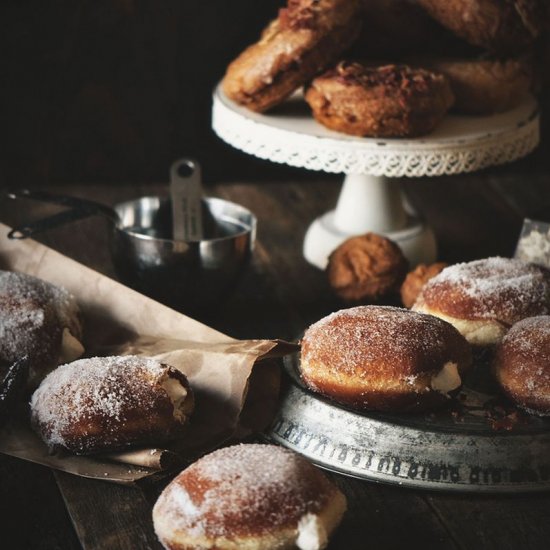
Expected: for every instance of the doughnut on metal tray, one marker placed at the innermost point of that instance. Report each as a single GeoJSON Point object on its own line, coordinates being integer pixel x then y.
{"type": "Point", "coordinates": [480, 443]}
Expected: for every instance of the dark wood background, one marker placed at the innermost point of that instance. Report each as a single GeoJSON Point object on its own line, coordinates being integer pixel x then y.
{"type": "Point", "coordinates": [115, 90]}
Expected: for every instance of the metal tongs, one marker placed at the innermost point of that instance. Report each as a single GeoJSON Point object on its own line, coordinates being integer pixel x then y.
{"type": "Point", "coordinates": [77, 209]}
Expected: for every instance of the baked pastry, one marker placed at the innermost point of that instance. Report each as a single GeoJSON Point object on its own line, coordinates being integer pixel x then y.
{"type": "Point", "coordinates": [416, 279]}
{"type": "Point", "coordinates": [366, 267]}
{"type": "Point", "coordinates": [307, 36]}
{"type": "Point", "coordinates": [484, 86]}
{"type": "Point", "coordinates": [501, 26]}
{"type": "Point", "coordinates": [484, 298]}
{"type": "Point", "coordinates": [393, 29]}
{"type": "Point", "coordinates": [107, 403]}
{"type": "Point", "coordinates": [384, 358]}
{"type": "Point", "coordinates": [389, 101]}
{"type": "Point", "coordinates": [38, 320]}
{"type": "Point", "coordinates": [522, 364]}
{"type": "Point", "coordinates": [258, 497]}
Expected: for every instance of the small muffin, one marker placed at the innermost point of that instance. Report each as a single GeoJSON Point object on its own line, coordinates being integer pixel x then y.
{"type": "Point", "coordinates": [416, 279]}
{"type": "Point", "coordinates": [484, 298]}
{"type": "Point", "coordinates": [389, 101]}
{"type": "Point", "coordinates": [366, 267]}
{"type": "Point", "coordinates": [500, 26]}
{"type": "Point", "coordinates": [522, 364]}
{"type": "Point", "coordinates": [108, 403]}
{"type": "Point", "coordinates": [384, 358]}
{"type": "Point", "coordinates": [254, 497]}
{"type": "Point", "coordinates": [38, 320]}
{"type": "Point", "coordinates": [308, 36]}
{"type": "Point", "coordinates": [484, 86]}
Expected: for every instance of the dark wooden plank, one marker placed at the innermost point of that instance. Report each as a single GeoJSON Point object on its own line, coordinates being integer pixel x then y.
{"type": "Point", "coordinates": [495, 523]}
{"type": "Point", "coordinates": [32, 510]}
{"type": "Point", "coordinates": [390, 518]}
{"type": "Point", "coordinates": [107, 515]}
{"type": "Point", "coordinates": [468, 218]}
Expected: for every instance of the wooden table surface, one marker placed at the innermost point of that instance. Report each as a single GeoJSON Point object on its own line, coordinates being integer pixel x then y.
{"type": "Point", "coordinates": [473, 216]}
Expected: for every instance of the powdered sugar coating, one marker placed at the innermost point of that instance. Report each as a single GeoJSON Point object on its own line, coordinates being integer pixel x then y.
{"type": "Point", "coordinates": [522, 364]}
{"type": "Point", "coordinates": [364, 336]}
{"type": "Point", "coordinates": [501, 289]}
{"type": "Point", "coordinates": [384, 358]}
{"type": "Point", "coordinates": [243, 490]}
{"type": "Point", "coordinates": [104, 402]}
{"type": "Point", "coordinates": [33, 314]}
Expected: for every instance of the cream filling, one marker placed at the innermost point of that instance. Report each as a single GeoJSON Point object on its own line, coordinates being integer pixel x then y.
{"type": "Point", "coordinates": [178, 395]}
{"type": "Point", "coordinates": [478, 333]}
{"type": "Point", "coordinates": [71, 348]}
{"type": "Point", "coordinates": [447, 379]}
{"type": "Point", "coordinates": [312, 534]}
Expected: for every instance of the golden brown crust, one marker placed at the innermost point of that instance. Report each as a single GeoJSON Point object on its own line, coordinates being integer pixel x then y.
{"type": "Point", "coordinates": [416, 279]}
{"type": "Point", "coordinates": [307, 36]}
{"type": "Point", "coordinates": [382, 358]}
{"type": "Point", "coordinates": [522, 364]}
{"type": "Point", "coordinates": [107, 403]}
{"type": "Point", "coordinates": [366, 267]}
{"type": "Point", "coordinates": [239, 496]}
{"type": "Point", "coordinates": [483, 86]}
{"type": "Point", "coordinates": [389, 101]}
{"type": "Point", "coordinates": [494, 289]}
{"type": "Point", "coordinates": [502, 26]}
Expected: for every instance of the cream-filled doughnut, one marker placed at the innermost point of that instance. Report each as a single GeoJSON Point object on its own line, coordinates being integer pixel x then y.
{"type": "Point", "coordinates": [522, 364]}
{"type": "Point", "coordinates": [249, 497]}
{"type": "Point", "coordinates": [107, 403]}
{"type": "Point", "coordinates": [384, 358]}
{"type": "Point", "coordinates": [484, 298]}
{"type": "Point", "coordinates": [38, 320]}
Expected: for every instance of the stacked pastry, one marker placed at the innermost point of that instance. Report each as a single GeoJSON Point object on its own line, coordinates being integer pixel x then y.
{"type": "Point", "coordinates": [334, 48]}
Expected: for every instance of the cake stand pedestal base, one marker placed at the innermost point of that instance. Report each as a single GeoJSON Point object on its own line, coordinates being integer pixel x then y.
{"type": "Point", "coordinates": [370, 204]}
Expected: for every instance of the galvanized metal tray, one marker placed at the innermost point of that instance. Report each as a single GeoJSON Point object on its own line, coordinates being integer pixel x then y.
{"type": "Point", "coordinates": [480, 443]}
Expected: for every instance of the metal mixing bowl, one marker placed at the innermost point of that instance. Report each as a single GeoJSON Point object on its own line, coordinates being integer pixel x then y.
{"type": "Point", "coordinates": [185, 275]}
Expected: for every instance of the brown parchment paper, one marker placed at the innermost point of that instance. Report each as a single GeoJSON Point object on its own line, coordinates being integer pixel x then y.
{"type": "Point", "coordinates": [119, 321]}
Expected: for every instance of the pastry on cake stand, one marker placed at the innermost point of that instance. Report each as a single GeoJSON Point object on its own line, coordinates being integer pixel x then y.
{"type": "Point", "coordinates": [371, 198]}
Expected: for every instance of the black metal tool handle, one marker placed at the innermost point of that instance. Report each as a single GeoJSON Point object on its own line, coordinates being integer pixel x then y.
{"type": "Point", "coordinates": [61, 200]}
{"type": "Point", "coordinates": [78, 209]}
{"type": "Point", "coordinates": [62, 218]}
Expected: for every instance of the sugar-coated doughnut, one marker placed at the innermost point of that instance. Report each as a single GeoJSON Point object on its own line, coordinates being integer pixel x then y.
{"type": "Point", "coordinates": [522, 364]}
{"type": "Point", "coordinates": [308, 36]}
{"type": "Point", "coordinates": [107, 403]}
{"type": "Point", "coordinates": [366, 267]}
{"type": "Point", "coordinates": [416, 279]}
{"type": "Point", "coordinates": [384, 358]}
{"type": "Point", "coordinates": [249, 497]}
{"type": "Point", "coordinates": [484, 298]}
{"type": "Point", "coordinates": [388, 101]}
{"type": "Point", "coordinates": [39, 320]}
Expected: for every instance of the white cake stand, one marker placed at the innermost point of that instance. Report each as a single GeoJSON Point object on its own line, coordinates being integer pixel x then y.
{"type": "Point", "coordinates": [371, 198]}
